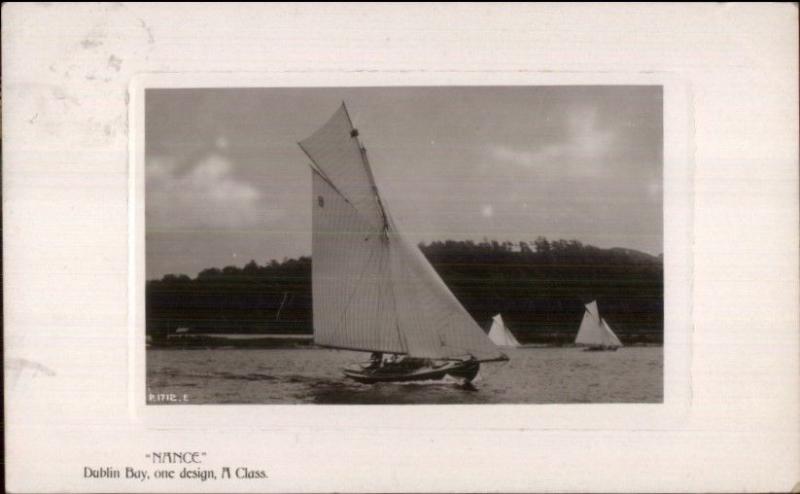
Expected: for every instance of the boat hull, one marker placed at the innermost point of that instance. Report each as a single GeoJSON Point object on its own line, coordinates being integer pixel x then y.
{"type": "Point", "coordinates": [466, 370]}
{"type": "Point", "coordinates": [600, 349]}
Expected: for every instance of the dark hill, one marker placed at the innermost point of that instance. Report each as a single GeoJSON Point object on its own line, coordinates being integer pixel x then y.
{"type": "Point", "coordinates": [540, 289]}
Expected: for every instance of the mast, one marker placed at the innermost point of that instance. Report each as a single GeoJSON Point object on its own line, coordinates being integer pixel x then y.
{"type": "Point", "coordinates": [354, 134]}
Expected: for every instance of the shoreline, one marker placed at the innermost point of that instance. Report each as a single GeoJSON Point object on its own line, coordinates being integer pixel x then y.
{"type": "Point", "coordinates": [276, 342]}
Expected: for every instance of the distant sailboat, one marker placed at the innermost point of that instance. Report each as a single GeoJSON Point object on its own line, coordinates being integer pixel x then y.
{"type": "Point", "coordinates": [500, 334]}
{"type": "Point", "coordinates": [595, 333]}
{"type": "Point", "coordinates": [373, 290]}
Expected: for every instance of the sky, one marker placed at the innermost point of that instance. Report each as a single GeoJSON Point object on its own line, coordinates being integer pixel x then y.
{"type": "Point", "coordinates": [226, 182]}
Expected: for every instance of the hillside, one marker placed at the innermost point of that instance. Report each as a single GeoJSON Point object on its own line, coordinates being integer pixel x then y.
{"type": "Point", "coordinates": [540, 289]}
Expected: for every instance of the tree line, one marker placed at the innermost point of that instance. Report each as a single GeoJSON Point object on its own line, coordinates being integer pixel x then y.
{"type": "Point", "coordinates": [539, 287]}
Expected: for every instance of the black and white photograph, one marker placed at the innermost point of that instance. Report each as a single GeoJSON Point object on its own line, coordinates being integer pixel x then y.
{"type": "Point", "coordinates": [404, 245]}
{"type": "Point", "coordinates": [400, 247]}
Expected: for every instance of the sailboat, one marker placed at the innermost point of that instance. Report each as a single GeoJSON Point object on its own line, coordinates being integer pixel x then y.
{"type": "Point", "coordinates": [373, 290]}
{"type": "Point", "coordinates": [595, 333]}
{"type": "Point", "coordinates": [500, 334]}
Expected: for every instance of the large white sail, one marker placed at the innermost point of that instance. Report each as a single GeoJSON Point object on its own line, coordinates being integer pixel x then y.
{"type": "Point", "coordinates": [594, 330]}
{"type": "Point", "coordinates": [500, 334]}
{"type": "Point", "coordinates": [372, 289]}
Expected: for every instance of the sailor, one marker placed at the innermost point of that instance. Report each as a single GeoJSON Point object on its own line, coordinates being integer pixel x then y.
{"type": "Point", "coordinates": [375, 360]}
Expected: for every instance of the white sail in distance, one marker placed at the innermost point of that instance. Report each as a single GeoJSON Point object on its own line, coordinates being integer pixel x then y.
{"type": "Point", "coordinates": [500, 334]}
{"type": "Point", "coordinates": [609, 336]}
{"type": "Point", "coordinates": [372, 289]}
{"type": "Point", "coordinates": [594, 330]}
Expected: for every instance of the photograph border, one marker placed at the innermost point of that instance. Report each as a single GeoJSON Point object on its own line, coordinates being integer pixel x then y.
{"type": "Point", "coordinates": [677, 230]}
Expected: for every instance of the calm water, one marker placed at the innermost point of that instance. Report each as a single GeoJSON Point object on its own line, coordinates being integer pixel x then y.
{"type": "Point", "coordinates": [312, 375]}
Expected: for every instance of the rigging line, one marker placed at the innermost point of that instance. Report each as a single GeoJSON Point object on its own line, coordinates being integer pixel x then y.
{"type": "Point", "coordinates": [318, 170]}
{"type": "Point", "coordinates": [283, 302]}
{"type": "Point", "coordinates": [314, 166]}
{"type": "Point", "coordinates": [383, 289]}
{"type": "Point", "coordinates": [347, 114]}
{"type": "Point", "coordinates": [315, 169]}
{"type": "Point", "coordinates": [374, 187]}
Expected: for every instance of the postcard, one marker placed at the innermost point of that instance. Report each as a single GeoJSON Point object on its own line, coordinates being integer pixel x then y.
{"type": "Point", "coordinates": [400, 248]}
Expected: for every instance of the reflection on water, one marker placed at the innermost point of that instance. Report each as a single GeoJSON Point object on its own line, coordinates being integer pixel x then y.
{"type": "Point", "coordinates": [311, 375]}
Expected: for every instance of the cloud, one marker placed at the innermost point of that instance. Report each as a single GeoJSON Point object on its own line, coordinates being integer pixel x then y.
{"type": "Point", "coordinates": [207, 195]}
{"type": "Point", "coordinates": [222, 143]}
{"type": "Point", "coordinates": [584, 149]}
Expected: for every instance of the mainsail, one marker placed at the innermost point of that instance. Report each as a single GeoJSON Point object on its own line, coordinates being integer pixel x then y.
{"type": "Point", "coordinates": [372, 289]}
{"type": "Point", "coordinates": [500, 334]}
{"type": "Point", "coordinates": [594, 330]}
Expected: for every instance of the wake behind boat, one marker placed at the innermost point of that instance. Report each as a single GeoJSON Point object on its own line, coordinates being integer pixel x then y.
{"type": "Point", "coordinates": [373, 290]}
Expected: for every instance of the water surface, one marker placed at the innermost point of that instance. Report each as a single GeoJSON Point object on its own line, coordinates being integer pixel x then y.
{"type": "Point", "coordinates": [313, 375]}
